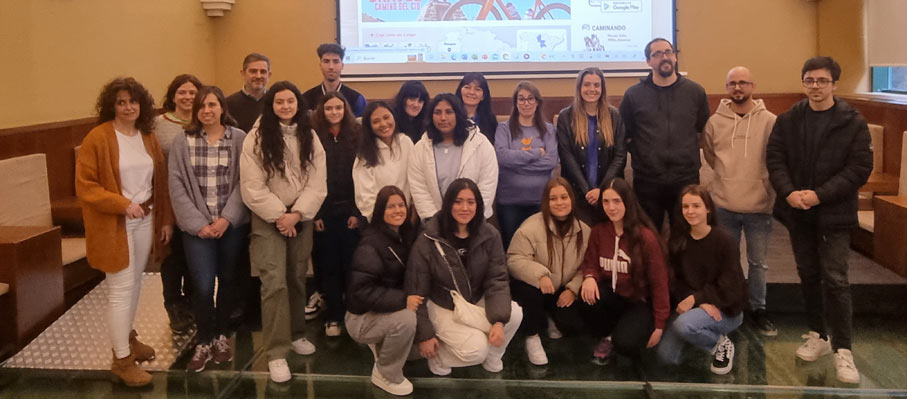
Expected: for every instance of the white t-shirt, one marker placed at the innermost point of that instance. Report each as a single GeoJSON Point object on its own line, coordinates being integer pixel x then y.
{"type": "Point", "coordinates": [136, 168]}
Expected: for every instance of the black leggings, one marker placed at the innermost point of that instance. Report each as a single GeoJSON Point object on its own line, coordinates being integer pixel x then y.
{"type": "Point", "coordinates": [628, 322]}
{"type": "Point", "coordinates": [538, 306]}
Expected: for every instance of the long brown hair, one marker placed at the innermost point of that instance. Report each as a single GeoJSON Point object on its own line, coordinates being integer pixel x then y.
{"type": "Point", "coordinates": [680, 228]}
{"type": "Point", "coordinates": [562, 227]}
{"type": "Point", "coordinates": [580, 122]}
{"type": "Point", "coordinates": [537, 120]}
{"type": "Point", "coordinates": [195, 126]}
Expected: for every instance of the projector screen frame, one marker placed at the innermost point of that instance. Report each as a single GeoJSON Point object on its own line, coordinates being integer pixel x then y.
{"type": "Point", "coordinates": [510, 74]}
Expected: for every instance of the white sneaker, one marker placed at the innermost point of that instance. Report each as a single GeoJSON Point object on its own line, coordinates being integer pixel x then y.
{"type": "Point", "coordinates": [814, 347]}
{"type": "Point", "coordinates": [493, 365]}
{"type": "Point", "coordinates": [399, 389]}
{"type": "Point", "coordinates": [536, 352]}
{"type": "Point", "coordinates": [723, 359]}
{"type": "Point", "coordinates": [847, 371]}
{"type": "Point", "coordinates": [332, 329]}
{"type": "Point", "coordinates": [279, 370]}
{"type": "Point", "coordinates": [302, 346]}
{"type": "Point", "coordinates": [314, 306]}
{"type": "Point", "coordinates": [436, 367]}
{"type": "Point", "coordinates": [553, 332]}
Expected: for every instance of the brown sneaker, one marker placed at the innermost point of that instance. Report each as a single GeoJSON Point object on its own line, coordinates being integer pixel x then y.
{"type": "Point", "coordinates": [222, 351]}
{"type": "Point", "coordinates": [200, 358]}
{"type": "Point", "coordinates": [128, 371]}
{"type": "Point", "coordinates": [141, 351]}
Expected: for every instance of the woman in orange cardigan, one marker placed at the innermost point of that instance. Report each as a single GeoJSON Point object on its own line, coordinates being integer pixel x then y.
{"type": "Point", "coordinates": [121, 182]}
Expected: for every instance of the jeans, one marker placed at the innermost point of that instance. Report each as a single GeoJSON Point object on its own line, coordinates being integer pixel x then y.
{"type": "Point", "coordinates": [658, 198]}
{"type": "Point", "coordinates": [125, 286]}
{"type": "Point", "coordinates": [511, 217]}
{"type": "Point", "coordinates": [697, 328]}
{"type": "Point", "coordinates": [821, 256]}
{"type": "Point", "coordinates": [757, 227]}
{"type": "Point", "coordinates": [210, 259]}
{"type": "Point", "coordinates": [333, 253]}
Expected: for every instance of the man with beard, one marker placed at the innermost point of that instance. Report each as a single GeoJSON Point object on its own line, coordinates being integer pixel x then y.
{"type": "Point", "coordinates": [330, 60]}
{"type": "Point", "coordinates": [245, 104]}
{"type": "Point", "coordinates": [663, 115]}
{"type": "Point", "coordinates": [734, 143]}
{"type": "Point", "coordinates": [818, 156]}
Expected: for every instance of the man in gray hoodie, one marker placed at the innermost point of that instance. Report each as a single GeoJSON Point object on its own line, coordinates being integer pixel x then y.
{"type": "Point", "coordinates": [663, 116]}
{"type": "Point", "coordinates": [734, 144]}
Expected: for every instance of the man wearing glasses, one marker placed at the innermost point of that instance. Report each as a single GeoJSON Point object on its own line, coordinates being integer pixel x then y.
{"type": "Point", "coordinates": [734, 143]}
{"type": "Point", "coordinates": [663, 115]}
{"type": "Point", "coordinates": [818, 156]}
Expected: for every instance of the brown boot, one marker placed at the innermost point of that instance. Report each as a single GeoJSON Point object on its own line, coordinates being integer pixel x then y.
{"type": "Point", "coordinates": [141, 351]}
{"type": "Point", "coordinates": [128, 371]}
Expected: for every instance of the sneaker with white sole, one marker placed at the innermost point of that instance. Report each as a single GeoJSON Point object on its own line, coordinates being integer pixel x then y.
{"type": "Point", "coordinates": [222, 351]}
{"type": "Point", "coordinates": [399, 389]}
{"type": "Point", "coordinates": [437, 367]}
{"type": "Point", "coordinates": [200, 358]}
{"type": "Point", "coordinates": [814, 347]}
{"type": "Point", "coordinates": [314, 306]}
{"type": "Point", "coordinates": [553, 332]}
{"type": "Point", "coordinates": [536, 352]}
{"type": "Point", "coordinates": [846, 369]}
{"type": "Point", "coordinates": [279, 370]}
{"type": "Point", "coordinates": [493, 364]}
{"type": "Point", "coordinates": [303, 346]}
{"type": "Point", "coordinates": [332, 329]}
{"type": "Point", "coordinates": [723, 361]}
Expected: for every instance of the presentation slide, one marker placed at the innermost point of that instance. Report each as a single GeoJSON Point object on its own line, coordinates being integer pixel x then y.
{"type": "Point", "coordinates": [443, 37]}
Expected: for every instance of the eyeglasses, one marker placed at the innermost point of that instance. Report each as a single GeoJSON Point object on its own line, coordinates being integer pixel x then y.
{"type": "Point", "coordinates": [821, 82]}
{"type": "Point", "coordinates": [742, 84]}
{"type": "Point", "coordinates": [666, 53]}
{"type": "Point", "coordinates": [525, 100]}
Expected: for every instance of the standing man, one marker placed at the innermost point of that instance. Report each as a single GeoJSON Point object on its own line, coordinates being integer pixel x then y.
{"type": "Point", "coordinates": [734, 144]}
{"type": "Point", "coordinates": [330, 56]}
{"type": "Point", "coordinates": [663, 115]}
{"type": "Point", "coordinates": [245, 104]}
{"type": "Point", "coordinates": [819, 154]}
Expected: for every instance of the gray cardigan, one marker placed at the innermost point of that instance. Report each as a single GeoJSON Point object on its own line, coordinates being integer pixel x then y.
{"type": "Point", "coordinates": [188, 203]}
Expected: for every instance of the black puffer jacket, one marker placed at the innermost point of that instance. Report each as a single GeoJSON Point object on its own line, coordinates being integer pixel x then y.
{"type": "Point", "coordinates": [842, 165]}
{"type": "Point", "coordinates": [484, 275]}
{"type": "Point", "coordinates": [375, 282]}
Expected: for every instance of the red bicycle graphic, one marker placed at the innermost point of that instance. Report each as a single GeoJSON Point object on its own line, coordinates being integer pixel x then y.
{"type": "Point", "coordinates": [479, 10]}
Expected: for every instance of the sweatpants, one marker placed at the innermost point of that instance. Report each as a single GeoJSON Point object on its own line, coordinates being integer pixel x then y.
{"type": "Point", "coordinates": [462, 345]}
{"type": "Point", "coordinates": [391, 333]}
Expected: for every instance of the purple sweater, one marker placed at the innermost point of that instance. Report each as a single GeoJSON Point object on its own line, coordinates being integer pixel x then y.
{"type": "Point", "coordinates": [523, 171]}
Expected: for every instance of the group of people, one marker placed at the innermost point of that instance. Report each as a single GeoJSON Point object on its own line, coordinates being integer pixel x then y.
{"type": "Point", "coordinates": [437, 232]}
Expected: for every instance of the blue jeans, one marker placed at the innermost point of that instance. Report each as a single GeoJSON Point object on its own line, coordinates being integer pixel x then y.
{"type": "Point", "coordinates": [209, 259]}
{"type": "Point", "coordinates": [697, 328]}
{"type": "Point", "coordinates": [757, 227]}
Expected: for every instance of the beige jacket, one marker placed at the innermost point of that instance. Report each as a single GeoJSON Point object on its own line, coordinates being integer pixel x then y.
{"type": "Point", "coordinates": [294, 192]}
{"type": "Point", "coordinates": [528, 257]}
{"type": "Point", "coordinates": [734, 146]}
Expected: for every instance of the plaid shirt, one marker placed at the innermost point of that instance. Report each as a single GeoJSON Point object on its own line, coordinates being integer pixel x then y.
{"type": "Point", "coordinates": [210, 164]}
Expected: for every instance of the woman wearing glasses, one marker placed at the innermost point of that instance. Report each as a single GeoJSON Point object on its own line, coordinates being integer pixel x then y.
{"type": "Point", "coordinates": [526, 147]}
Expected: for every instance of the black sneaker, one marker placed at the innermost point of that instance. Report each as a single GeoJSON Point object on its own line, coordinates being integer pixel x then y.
{"type": "Point", "coordinates": [723, 361]}
{"type": "Point", "coordinates": [763, 323]}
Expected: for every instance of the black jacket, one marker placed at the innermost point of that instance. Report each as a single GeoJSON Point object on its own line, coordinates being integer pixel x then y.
{"type": "Point", "coordinates": [842, 165]}
{"type": "Point", "coordinates": [339, 153]}
{"type": "Point", "coordinates": [483, 276]}
{"type": "Point", "coordinates": [354, 98]}
{"type": "Point", "coordinates": [663, 126]}
{"type": "Point", "coordinates": [611, 160]}
{"type": "Point", "coordinates": [375, 281]}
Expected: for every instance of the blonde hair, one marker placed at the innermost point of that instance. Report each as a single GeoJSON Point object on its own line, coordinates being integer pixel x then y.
{"type": "Point", "coordinates": [580, 122]}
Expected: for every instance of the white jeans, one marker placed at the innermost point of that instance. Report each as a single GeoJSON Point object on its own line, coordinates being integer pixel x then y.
{"type": "Point", "coordinates": [125, 286]}
{"type": "Point", "coordinates": [462, 345]}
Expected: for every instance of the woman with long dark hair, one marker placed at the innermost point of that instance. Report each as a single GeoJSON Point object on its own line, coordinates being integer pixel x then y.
{"type": "Point", "coordinates": [544, 262]}
{"type": "Point", "coordinates": [625, 279]}
{"type": "Point", "coordinates": [460, 254]}
{"type": "Point", "coordinates": [452, 148]}
{"type": "Point", "coordinates": [204, 186]}
{"type": "Point", "coordinates": [526, 148]}
{"type": "Point", "coordinates": [167, 126]}
{"type": "Point", "coordinates": [707, 287]}
{"type": "Point", "coordinates": [591, 142]}
{"type": "Point", "coordinates": [475, 95]}
{"type": "Point", "coordinates": [380, 314]}
{"type": "Point", "coordinates": [337, 222]}
{"type": "Point", "coordinates": [382, 158]}
{"type": "Point", "coordinates": [409, 109]}
{"type": "Point", "coordinates": [121, 183]}
{"type": "Point", "coordinates": [284, 181]}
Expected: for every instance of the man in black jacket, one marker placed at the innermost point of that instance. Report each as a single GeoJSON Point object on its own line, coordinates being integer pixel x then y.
{"type": "Point", "coordinates": [663, 115]}
{"type": "Point", "coordinates": [818, 156]}
{"type": "Point", "coordinates": [330, 60]}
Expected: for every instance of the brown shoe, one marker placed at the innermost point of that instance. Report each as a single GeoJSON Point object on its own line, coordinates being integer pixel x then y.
{"type": "Point", "coordinates": [128, 371]}
{"type": "Point", "coordinates": [141, 351]}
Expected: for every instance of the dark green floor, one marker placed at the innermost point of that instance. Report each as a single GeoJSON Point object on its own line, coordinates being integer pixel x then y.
{"type": "Point", "coordinates": [764, 368]}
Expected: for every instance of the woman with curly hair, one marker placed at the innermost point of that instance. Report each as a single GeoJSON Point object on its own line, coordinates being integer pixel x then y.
{"type": "Point", "coordinates": [121, 183]}
{"type": "Point", "coordinates": [284, 181]}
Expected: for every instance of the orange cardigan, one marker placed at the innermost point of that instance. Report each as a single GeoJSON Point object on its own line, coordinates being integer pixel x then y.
{"type": "Point", "coordinates": [103, 205]}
